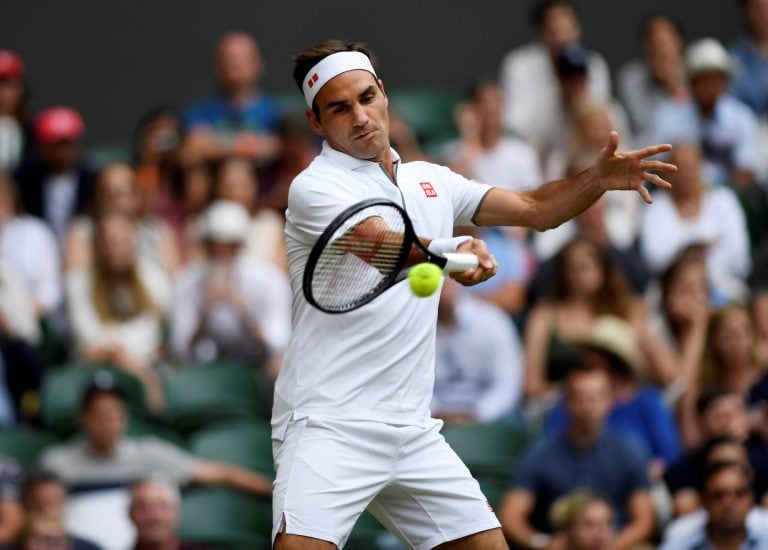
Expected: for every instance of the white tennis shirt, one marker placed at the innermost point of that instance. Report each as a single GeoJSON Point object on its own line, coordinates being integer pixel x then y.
{"type": "Point", "coordinates": [377, 362]}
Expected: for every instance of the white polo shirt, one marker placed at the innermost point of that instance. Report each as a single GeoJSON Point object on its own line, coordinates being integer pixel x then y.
{"type": "Point", "coordinates": [377, 362]}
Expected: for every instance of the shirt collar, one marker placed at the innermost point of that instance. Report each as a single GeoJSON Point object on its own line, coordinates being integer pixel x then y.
{"type": "Point", "coordinates": [349, 162]}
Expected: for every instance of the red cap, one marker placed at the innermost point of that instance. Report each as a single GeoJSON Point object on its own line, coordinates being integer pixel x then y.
{"type": "Point", "coordinates": [11, 65]}
{"type": "Point", "coordinates": [58, 124]}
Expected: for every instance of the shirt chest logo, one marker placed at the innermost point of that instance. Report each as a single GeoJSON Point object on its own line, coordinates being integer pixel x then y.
{"type": "Point", "coordinates": [429, 191]}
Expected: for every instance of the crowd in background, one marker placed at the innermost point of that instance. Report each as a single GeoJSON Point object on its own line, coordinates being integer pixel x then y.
{"type": "Point", "coordinates": [631, 342]}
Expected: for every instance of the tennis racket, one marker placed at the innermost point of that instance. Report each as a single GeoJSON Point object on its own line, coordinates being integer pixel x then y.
{"type": "Point", "coordinates": [363, 252]}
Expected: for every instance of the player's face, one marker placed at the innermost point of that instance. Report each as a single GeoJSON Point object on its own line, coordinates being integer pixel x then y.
{"type": "Point", "coordinates": [352, 115]}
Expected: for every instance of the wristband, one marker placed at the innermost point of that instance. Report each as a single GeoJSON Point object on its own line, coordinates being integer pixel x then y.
{"type": "Point", "coordinates": [441, 247]}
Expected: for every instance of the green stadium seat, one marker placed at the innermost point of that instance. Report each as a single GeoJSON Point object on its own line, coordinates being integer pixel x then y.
{"type": "Point", "coordinates": [138, 427]}
{"type": "Point", "coordinates": [206, 394]}
{"type": "Point", "coordinates": [64, 386]}
{"type": "Point", "coordinates": [488, 449]}
{"type": "Point", "coordinates": [25, 445]}
{"type": "Point", "coordinates": [226, 518]}
{"type": "Point", "coordinates": [243, 442]}
{"type": "Point", "coordinates": [428, 112]}
{"type": "Point", "coordinates": [291, 103]}
{"type": "Point", "coordinates": [367, 533]}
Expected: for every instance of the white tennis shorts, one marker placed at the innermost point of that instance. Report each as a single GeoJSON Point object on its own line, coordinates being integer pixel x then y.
{"type": "Point", "coordinates": [330, 471]}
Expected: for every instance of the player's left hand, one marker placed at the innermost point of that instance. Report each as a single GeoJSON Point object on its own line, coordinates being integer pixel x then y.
{"type": "Point", "coordinates": [628, 170]}
{"type": "Point", "coordinates": [487, 263]}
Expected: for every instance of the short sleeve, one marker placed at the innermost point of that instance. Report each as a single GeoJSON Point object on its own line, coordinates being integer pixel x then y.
{"type": "Point", "coordinates": [313, 203]}
{"type": "Point", "coordinates": [467, 195]}
{"type": "Point", "coordinates": [169, 459]}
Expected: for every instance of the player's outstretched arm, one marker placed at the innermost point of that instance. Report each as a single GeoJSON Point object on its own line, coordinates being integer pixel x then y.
{"type": "Point", "coordinates": [558, 201]}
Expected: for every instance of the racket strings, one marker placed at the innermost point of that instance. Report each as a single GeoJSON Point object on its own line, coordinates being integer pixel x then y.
{"type": "Point", "coordinates": [360, 258]}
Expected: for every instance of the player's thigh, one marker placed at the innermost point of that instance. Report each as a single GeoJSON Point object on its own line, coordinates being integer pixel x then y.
{"type": "Point", "coordinates": [433, 498]}
{"type": "Point", "coordinates": [298, 542]}
{"type": "Point", "coordinates": [327, 473]}
{"type": "Point", "coordinates": [493, 539]}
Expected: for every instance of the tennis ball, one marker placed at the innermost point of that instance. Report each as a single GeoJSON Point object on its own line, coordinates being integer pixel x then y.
{"type": "Point", "coordinates": [424, 279]}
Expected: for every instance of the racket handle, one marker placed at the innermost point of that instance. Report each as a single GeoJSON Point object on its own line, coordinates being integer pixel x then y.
{"type": "Point", "coordinates": [456, 262]}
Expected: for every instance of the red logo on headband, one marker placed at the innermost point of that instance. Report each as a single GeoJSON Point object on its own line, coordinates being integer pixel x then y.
{"type": "Point", "coordinates": [314, 78]}
{"type": "Point", "coordinates": [429, 191]}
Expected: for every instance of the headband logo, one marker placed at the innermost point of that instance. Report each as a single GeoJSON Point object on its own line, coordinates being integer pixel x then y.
{"type": "Point", "coordinates": [312, 80]}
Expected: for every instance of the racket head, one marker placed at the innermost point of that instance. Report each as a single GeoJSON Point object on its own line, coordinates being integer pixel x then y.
{"type": "Point", "coordinates": [358, 256]}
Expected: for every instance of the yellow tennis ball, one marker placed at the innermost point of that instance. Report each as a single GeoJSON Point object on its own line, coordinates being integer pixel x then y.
{"type": "Point", "coordinates": [424, 279]}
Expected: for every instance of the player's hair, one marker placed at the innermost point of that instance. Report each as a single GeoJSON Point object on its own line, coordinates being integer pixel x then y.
{"type": "Point", "coordinates": [306, 59]}
{"type": "Point", "coordinates": [539, 10]}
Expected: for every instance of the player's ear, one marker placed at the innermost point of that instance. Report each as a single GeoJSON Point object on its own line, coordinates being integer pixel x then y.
{"type": "Point", "coordinates": [381, 87]}
{"type": "Point", "coordinates": [314, 123]}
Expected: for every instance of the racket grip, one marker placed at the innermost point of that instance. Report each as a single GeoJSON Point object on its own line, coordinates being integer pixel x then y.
{"type": "Point", "coordinates": [458, 262]}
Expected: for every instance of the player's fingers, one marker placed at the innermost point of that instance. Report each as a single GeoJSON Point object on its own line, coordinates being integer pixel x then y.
{"type": "Point", "coordinates": [645, 194]}
{"type": "Point", "coordinates": [658, 166]}
{"type": "Point", "coordinates": [612, 145]}
{"type": "Point", "coordinates": [652, 150]}
{"type": "Point", "coordinates": [656, 180]}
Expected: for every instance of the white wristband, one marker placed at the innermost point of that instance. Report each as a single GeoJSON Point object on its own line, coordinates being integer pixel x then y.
{"type": "Point", "coordinates": [441, 247]}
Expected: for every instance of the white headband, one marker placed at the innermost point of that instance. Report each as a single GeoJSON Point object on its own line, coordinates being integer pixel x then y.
{"type": "Point", "coordinates": [330, 67]}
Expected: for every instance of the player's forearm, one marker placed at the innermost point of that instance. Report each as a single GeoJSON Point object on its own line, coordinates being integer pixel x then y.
{"type": "Point", "coordinates": [544, 208]}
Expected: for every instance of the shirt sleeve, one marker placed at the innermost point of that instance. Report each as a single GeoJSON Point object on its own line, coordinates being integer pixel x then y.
{"type": "Point", "coordinates": [466, 195]}
{"type": "Point", "coordinates": [313, 203]}
{"type": "Point", "coordinates": [169, 459]}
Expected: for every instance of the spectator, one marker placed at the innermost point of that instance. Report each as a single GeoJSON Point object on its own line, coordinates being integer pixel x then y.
{"type": "Point", "coordinates": [242, 120]}
{"type": "Point", "coordinates": [42, 533]}
{"type": "Point", "coordinates": [11, 512]}
{"type": "Point", "coordinates": [14, 124]}
{"type": "Point", "coordinates": [693, 213]}
{"type": "Point", "coordinates": [236, 180]}
{"type": "Point", "coordinates": [478, 363]}
{"type": "Point", "coordinates": [30, 248]}
{"type": "Point", "coordinates": [155, 512]}
{"type": "Point", "coordinates": [532, 100]}
{"type": "Point", "coordinates": [725, 128]}
{"type": "Point", "coordinates": [750, 55]}
{"type": "Point", "coordinates": [721, 416]}
{"type": "Point", "coordinates": [638, 409]}
{"type": "Point", "coordinates": [117, 306]}
{"type": "Point", "coordinates": [57, 186]}
{"type": "Point", "coordinates": [226, 305]}
{"type": "Point", "coordinates": [584, 456]}
{"type": "Point", "coordinates": [45, 499]}
{"type": "Point", "coordinates": [646, 82]}
{"type": "Point", "coordinates": [99, 467]}
{"type": "Point", "coordinates": [583, 521]}
{"type": "Point", "coordinates": [728, 499]}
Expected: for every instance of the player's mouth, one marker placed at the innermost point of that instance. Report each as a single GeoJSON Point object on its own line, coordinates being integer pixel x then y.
{"type": "Point", "coordinates": [365, 136]}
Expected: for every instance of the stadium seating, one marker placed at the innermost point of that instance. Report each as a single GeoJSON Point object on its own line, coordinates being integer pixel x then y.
{"type": "Point", "coordinates": [24, 445]}
{"type": "Point", "coordinates": [64, 386]}
{"type": "Point", "coordinates": [242, 442]}
{"type": "Point", "coordinates": [225, 518]}
{"type": "Point", "coordinates": [429, 112]}
{"type": "Point", "coordinates": [205, 394]}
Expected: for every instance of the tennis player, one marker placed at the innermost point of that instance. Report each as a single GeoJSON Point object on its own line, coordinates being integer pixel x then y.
{"type": "Point", "coordinates": [351, 421]}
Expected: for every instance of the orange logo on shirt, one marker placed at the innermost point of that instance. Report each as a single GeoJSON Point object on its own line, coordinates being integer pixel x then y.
{"type": "Point", "coordinates": [429, 191]}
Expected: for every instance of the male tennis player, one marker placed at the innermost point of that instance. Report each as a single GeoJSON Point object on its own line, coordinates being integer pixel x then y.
{"type": "Point", "coordinates": [351, 420]}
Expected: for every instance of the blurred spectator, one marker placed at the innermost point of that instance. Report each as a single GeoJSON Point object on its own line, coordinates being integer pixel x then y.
{"type": "Point", "coordinates": [155, 512]}
{"type": "Point", "coordinates": [227, 305]}
{"type": "Point", "coordinates": [750, 54]}
{"type": "Point", "coordinates": [728, 499]}
{"type": "Point", "coordinates": [242, 120]}
{"type": "Point", "coordinates": [586, 284]}
{"type": "Point", "coordinates": [483, 151]}
{"type": "Point", "coordinates": [646, 82]}
{"type": "Point", "coordinates": [583, 521]}
{"type": "Point", "coordinates": [117, 305]}
{"type": "Point", "coordinates": [693, 213]}
{"type": "Point", "coordinates": [478, 363]}
{"type": "Point", "coordinates": [585, 455]}
{"type": "Point", "coordinates": [45, 499]}
{"type": "Point", "coordinates": [57, 185]}
{"type": "Point", "coordinates": [532, 99]}
{"type": "Point", "coordinates": [15, 132]}
{"type": "Point", "coordinates": [638, 409]}
{"type": "Point", "coordinates": [117, 192]}
{"type": "Point", "coordinates": [43, 533]}
{"type": "Point", "coordinates": [404, 140]}
{"type": "Point", "coordinates": [98, 468]}
{"type": "Point", "coordinates": [299, 147]}
{"type": "Point", "coordinates": [11, 511]}
{"type": "Point", "coordinates": [236, 180]}
{"type": "Point", "coordinates": [725, 128]}
{"type": "Point", "coordinates": [30, 248]}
